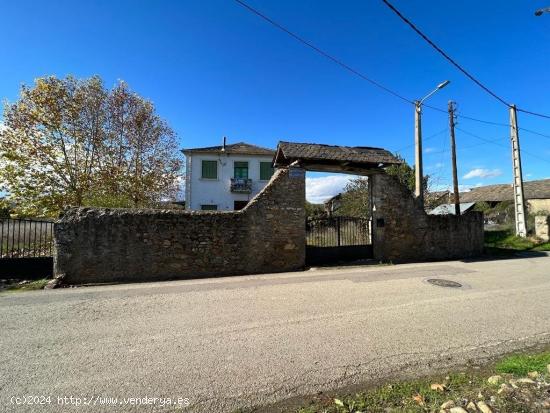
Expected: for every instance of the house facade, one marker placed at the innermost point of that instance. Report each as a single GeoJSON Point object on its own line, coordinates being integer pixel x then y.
{"type": "Point", "coordinates": [226, 177]}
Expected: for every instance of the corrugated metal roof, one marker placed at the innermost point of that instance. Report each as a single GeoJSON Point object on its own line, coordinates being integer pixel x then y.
{"type": "Point", "coordinates": [449, 209]}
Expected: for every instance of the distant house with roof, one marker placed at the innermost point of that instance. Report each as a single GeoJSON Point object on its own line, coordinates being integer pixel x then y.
{"type": "Point", "coordinates": [226, 177]}
{"type": "Point", "coordinates": [536, 194]}
{"type": "Point", "coordinates": [333, 204]}
{"type": "Point", "coordinates": [436, 198]}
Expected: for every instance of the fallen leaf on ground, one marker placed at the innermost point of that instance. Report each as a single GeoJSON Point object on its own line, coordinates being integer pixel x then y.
{"type": "Point", "coordinates": [419, 399]}
{"type": "Point", "coordinates": [438, 387]}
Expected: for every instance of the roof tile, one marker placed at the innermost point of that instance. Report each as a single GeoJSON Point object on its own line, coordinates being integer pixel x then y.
{"type": "Point", "coordinates": [241, 148]}
{"type": "Point", "coordinates": [320, 152]}
{"type": "Point", "coordinates": [504, 192]}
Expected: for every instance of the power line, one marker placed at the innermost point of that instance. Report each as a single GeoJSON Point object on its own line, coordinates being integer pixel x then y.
{"type": "Point", "coordinates": [458, 115]}
{"type": "Point", "coordinates": [483, 121]}
{"type": "Point", "coordinates": [424, 139]}
{"type": "Point", "coordinates": [535, 132]}
{"type": "Point", "coordinates": [475, 145]}
{"type": "Point", "coordinates": [445, 55]}
{"type": "Point", "coordinates": [354, 71]}
{"type": "Point", "coordinates": [455, 64]}
{"type": "Point", "coordinates": [322, 52]}
{"type": "Point", "coordinates": [492, 141]}
{"type": "Point", "coordinates": [523, 151]}
{"type": "Point", "coordinates": [540, 115]}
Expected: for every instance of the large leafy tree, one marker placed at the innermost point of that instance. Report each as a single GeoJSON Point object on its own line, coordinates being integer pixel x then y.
{"type": "Point", "coordinates": [355, 200]}
{"type": "Point", "coordinates": [69, 142]}
{"type": "Point", "coordinates": [406, 174]}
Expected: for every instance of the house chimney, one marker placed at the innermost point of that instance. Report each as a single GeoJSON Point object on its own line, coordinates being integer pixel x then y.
{"type": "Point", "coordinates": [224, 141]}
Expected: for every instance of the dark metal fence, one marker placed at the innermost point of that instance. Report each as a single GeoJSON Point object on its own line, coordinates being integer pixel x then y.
{"type": "Point", "coordinates": [337, 232]}
{"type": "Point", "coordinates": [25, 238]}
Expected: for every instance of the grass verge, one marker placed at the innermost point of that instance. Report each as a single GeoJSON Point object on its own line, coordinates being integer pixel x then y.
{"type": "Point", "coordinates": [522, 364]}
{"type": "Point", "coordinates": [28, 286]}
{"type": "Point", "coordinates": [517, 383]}
{"type": "Point", "coordinates": [509, 241]}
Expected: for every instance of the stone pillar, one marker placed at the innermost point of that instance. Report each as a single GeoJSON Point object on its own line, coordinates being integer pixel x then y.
{"type": "Point", "coordinates": [542, 227]}
{"type": "Point", "coordinates": [402, 231]}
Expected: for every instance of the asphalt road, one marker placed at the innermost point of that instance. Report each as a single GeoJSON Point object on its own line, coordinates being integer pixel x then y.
{"type": "Point", "coordinates": [233, 342]}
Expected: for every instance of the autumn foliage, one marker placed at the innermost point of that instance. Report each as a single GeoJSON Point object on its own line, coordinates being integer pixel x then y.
{"type": "Point", "coordinates": [69, 142]}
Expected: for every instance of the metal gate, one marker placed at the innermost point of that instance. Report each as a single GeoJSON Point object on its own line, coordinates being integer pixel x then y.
{"type": "Point", "coordinates": [337, 239]}
{"type": "Point", "coordinates": [26, 247]}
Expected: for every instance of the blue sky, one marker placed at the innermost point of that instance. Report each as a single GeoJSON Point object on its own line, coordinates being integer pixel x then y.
{"type": "Point", "coordinates": [213, 69]}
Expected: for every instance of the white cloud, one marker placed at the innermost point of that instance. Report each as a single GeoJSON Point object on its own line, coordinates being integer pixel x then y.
{"type": "Point", "coordinates": [429, 150]}
{"type": "Point", "coordinates": [446, 187]}
{"type": "Point", "coordinates": [482, 173]}
{"type": "Point", "coordinates": [319, 189]}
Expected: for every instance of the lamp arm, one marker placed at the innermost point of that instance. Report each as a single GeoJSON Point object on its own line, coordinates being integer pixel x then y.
{"type": "Point", "coordinates": [427, 96]}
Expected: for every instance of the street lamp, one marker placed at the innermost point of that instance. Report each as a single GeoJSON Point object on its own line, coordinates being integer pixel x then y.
{"type": "Point", "coordinates": [419, 190]}
{"type": "Point", "coordinates": [540, 12]}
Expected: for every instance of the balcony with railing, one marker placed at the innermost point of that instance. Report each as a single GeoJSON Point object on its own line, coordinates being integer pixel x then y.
{"type": "Point", "coordinates": [241, 185]}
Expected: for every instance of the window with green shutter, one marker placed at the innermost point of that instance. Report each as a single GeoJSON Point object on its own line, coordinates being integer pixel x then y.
{"type": "Point", "coordinates": [241, 170]}
{"type": "Point", "coordinates": [210, 169]}
{"type": "Point", "coordinates": [266, 170]}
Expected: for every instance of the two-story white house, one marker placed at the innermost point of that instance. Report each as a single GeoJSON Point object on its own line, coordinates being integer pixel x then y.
{"type": "Point", "coordinates": [225, 177]}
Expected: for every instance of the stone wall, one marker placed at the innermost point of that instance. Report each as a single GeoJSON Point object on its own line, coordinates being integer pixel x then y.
{"type": "Point", "coordinates": [539, 206]}
{"type": "Point", "coordinates": [542, 227]}
{"type": "Point", "coordinates": [404, 232]}
{"type": "Point", "coordinates": [95, 245]}
{"type": "Point", "coordinates": [107, 245]}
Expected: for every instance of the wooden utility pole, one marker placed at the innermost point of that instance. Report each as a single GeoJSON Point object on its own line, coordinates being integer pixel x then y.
{"type": "Point", "coordinates": [453, 156]}
{"type": "Point", "coordinates": [519, 200]}
{"type": "Point", "coordinates": [419, 187]}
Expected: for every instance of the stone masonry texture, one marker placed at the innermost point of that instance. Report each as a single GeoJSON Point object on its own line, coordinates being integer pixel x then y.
{"type": "Point", "coordinates": [402, 231]}
{"type": "Point", "coordinates": [542, 227]}
{"type": "Point", "coordinates": [95, 245]}
{"type": "Point", "coordinates": [125, 245]}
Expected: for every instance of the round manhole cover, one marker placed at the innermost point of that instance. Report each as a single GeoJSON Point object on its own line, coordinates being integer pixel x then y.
{"type": "Point", "coordinates": [444, 283]}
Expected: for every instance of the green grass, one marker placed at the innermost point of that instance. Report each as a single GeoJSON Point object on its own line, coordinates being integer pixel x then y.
{"type": "Point", "coordinates": [521, 364]}
{"type": "Point", "coordinates": [507, 240]}
{"type": "Point", "coordinates": [30, 286]}
{"type": "Point", "coordinates": [543, 247]}
{"type": "Point", "coordinates": [409, 396]}
{"type": "Point", "coordinates": [418, 395]}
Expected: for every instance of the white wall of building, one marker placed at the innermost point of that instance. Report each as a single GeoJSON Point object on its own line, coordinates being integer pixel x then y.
{"type": "Point", "coordinates": [199, 191]}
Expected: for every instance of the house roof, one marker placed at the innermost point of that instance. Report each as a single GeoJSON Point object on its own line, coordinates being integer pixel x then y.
{"type": "Point", "coordinates": [336, 197]}
{"type": "Point", "coordinates": [449, 209]}
{"type": "Point", "coordinates": [240, 148]}
{"type": "Point", "coordinates": [504, 192]}
{"type": "Point", "coordinates": [436, 195]}
{"type": "Point", "coordinates": [347, 158]}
